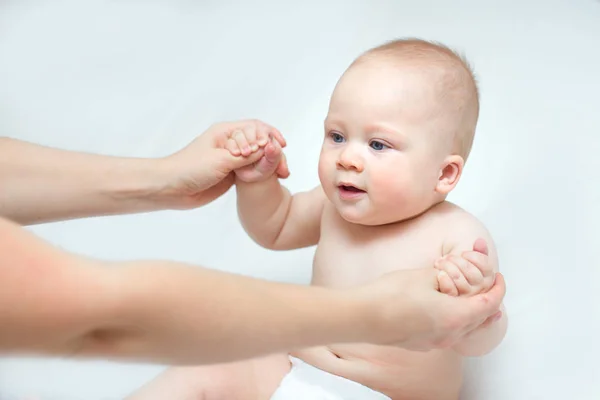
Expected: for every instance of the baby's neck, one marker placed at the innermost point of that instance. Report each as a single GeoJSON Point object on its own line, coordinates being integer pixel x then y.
{"type": "Point", "coordinates": [403, 220]}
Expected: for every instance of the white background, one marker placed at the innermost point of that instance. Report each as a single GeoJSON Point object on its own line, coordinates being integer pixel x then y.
{"type": "Point", "coordinates": [142, 78]}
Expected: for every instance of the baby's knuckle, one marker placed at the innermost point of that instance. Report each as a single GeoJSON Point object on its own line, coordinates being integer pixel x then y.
{"type": "Point", "coordinates": [455, 274]}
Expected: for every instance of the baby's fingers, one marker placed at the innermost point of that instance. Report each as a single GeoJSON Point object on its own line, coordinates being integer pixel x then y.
{"type": "Point", "coordinates": [455, 274]}
{"type": "Point", "coordinates": [282, 169]}
{"type": "Point", "coordinates": [472, 274]}
{"type": "Point", "coordinates": [268, 164]}
{"type": "Point", "coordinates": [446, 284]}
{"type": "Point", "coordinates": [273, 152]}
{"type": "Point", "coordinates": [479, 261]}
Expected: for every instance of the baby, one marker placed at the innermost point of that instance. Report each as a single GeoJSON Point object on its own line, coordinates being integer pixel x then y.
{"type": "Point", "coordinates": [399, 129]}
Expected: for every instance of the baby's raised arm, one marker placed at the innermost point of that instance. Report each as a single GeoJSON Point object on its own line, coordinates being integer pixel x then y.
{"type": "Point", "coordinates": [277, 220]}
{"type": "Point", "coordinates": [271, 216]}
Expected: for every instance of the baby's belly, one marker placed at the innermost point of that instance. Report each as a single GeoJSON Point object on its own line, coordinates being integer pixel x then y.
{"type": "Point", "coordinates": [398, 373]}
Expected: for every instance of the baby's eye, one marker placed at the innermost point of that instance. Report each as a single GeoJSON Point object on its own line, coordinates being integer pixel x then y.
{"type": "Point", "coordinates": [375, 145]}
{"type": "Point", "coordinates": [337, 138]}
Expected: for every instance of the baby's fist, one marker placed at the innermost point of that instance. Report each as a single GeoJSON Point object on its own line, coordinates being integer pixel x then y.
{"type": "Point", "coordinates": [250, 139]}
{"type": "Point", "coordinates": [272, 162]}
{"type": "Point", "coordinates": [466, 275]}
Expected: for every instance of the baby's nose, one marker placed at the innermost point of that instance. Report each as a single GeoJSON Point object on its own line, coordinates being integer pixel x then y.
{"type": "Point", "coordinates": [350, 160]}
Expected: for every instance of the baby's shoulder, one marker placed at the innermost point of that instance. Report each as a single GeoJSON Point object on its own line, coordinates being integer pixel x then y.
{"type": "Point", "coordinates": [450, 214]}
{"type": "Point", "coordinates": [459, 227]}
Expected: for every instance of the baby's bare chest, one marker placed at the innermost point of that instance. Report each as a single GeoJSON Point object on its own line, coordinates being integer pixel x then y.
{"type": "Point", "coordinates": [352, 255]}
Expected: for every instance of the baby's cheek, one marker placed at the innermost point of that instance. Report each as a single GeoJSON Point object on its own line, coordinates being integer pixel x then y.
{"type": "Point", "coordinates": [323, 173]}
{"type": "Point", "coordinates": [390, 187]}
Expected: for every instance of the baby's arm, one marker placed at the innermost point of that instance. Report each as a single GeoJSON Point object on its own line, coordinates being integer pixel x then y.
{"type": "Point", "coordinates": [275, 219]}
{"type": "Point", "coordinates": [473, 273]}
{"type": "Point", "coordinates": [271, 216]}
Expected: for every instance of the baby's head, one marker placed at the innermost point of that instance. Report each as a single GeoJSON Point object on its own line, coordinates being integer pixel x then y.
{"type": "Point", "coordinates": [399, 129]}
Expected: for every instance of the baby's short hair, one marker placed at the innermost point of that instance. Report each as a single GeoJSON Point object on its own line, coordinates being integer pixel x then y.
{"type": "Point", "coordinates": [458, 84]}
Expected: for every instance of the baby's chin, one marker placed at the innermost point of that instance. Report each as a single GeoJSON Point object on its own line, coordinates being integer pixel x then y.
{"type": "Point", "coordinates": [372, 218]}
{"type": "Point", "coordinates": [378, 216]}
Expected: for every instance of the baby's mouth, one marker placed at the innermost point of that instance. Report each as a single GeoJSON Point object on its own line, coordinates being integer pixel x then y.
{"type": "Point", "coordinates": [350, 188]}
{"type": "Point", "coordinates": [349, 191]}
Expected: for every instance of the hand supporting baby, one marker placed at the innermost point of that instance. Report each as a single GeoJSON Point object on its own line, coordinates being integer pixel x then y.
{"type": "Point", "coordinates": [248, 140]}
{"type": "Point", "coordinates": [467, 275]}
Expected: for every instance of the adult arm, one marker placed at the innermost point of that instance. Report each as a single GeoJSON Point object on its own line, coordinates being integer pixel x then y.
{"type": "Point", "coordinates": [41, 184]}
{"type": "Point", "coordinates": [57, 303]}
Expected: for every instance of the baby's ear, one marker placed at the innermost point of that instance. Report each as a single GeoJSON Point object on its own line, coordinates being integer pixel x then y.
{"type": "Point", "coordinates": [449, 174]}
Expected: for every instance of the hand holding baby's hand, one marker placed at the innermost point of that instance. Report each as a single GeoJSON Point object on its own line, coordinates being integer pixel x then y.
{"type": "Point", "coordinates": [468, 274]}
{"type": "Point", "coordinates": [248, 140]}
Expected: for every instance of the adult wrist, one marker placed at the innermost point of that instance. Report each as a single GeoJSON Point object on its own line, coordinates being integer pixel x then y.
{"type": "Point", "coordinates": [358, 316]}
{"type": "Point", "coordinates": [380, 318]}
{"type": "Point", "coordinates": [142, 184]}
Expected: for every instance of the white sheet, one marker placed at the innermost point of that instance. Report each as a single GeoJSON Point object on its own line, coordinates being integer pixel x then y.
{"type": "Point", "coordinates": [142, 78]}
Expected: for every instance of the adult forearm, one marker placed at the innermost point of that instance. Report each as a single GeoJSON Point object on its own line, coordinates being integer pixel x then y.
{"type": "Point", "coordinates": [41, 184]}
{"type": "Point", "coordinates": [49, 299]}
{"type": "Point", "coordinates": [263, 208]}
{"type": "Point", "coordinates": [176, 314]}
{"type": "Point", "coordinates": [56, 303]}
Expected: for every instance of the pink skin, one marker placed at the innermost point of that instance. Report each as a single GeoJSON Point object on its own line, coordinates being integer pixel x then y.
{"type": "Point", "coordinates": [369, 144]}
{"type": "Point", "coordinates": [245, 141]}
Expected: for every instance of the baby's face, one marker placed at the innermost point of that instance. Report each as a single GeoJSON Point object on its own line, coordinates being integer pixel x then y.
{"type": "Point", "coordinates": [381, 159]}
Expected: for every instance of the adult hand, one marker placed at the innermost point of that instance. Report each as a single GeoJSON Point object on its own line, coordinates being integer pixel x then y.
{"type": "Point", "coordinates": [202, 171]}
{"type": "Point", "coordinates": [408, 310]}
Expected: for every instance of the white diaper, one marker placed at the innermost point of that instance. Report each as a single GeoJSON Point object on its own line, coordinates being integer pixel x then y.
{"type": "Point", "coordinates": [305, 382]}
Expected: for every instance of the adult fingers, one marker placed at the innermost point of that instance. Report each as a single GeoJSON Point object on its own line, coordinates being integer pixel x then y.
{"type": "Point", "coordinates": [250, 131]}
{"type": "Point", "coordinates": [272, 132]}
{"type": "Point", "coordinates": [242, 142]}
{"type": "Point", "coordinates": [233, 148]}
{"type": "Point", "coordinates": [487, 304]}
{"type": "Point", "coordinates": [279, 137]}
